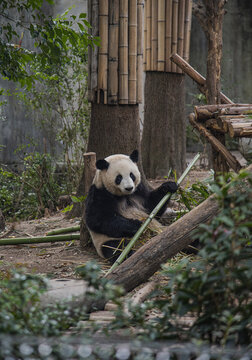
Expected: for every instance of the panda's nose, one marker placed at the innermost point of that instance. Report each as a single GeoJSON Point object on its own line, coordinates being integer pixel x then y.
{"type": "Point", "coordinates": [129, 188]}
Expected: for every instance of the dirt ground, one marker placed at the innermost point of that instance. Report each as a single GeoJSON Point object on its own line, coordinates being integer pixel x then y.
{"type": "Point", "coordinates": [56, 260]}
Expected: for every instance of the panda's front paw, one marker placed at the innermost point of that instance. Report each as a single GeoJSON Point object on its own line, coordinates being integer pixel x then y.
{"type": "Point", "coordinates": [168, 186]}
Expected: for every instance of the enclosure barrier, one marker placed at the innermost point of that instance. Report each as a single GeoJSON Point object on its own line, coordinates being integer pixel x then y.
{"type": "Point", "coordinates": [102, 348]}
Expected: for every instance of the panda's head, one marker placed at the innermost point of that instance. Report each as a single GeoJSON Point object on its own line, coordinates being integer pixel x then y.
{"type": "Point", "coordinates": [118, 173]}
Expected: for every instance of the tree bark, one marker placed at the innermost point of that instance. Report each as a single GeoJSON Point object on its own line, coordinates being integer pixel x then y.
{"type": "Point", "coordinates": [138, 268]}
{"type": "Point", "coordinates": [115, 129]}
{"type": "Point", "coordinates": [164, 132]}
{"type": "Point", "coordinates": [2, 221]}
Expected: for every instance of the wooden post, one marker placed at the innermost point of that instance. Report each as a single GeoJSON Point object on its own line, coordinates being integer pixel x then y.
{"type": "Point", "coordinates": [88, 175]}
{"type": "Point", "coordinates": [132, 51]}
{"type": "Point", "coordinates": [123, 53]}
{"type": "Point", "coordinates": [102, 95]}
{"type": "Point", "coordinates": [161, 35]}
{"type": "Point", "coordinates": [113, 52]}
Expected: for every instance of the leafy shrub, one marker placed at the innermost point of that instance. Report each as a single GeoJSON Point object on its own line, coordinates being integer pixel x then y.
{"type": "Point", "coordinates": [215, 290]}
{"type": "Point", "coordinates": [28, 194]}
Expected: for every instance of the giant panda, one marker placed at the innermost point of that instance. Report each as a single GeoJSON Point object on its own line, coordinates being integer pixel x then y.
{"type": "Point", "coordinates": [118, 203]}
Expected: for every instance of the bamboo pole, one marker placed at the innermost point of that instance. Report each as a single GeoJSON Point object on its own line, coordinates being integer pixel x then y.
{"type": "Point", "coordinates": [89, 51]}
{"type": "Point", "coordinates": [63, 230]}
{"type": "Point", "coordinates": [181, 29]}
{"type": "Point", "coordinates": [148, 40]}
{"type": "Point", "coordinates": [168, 35]}
{"type": "Point", "coordinates": [161, 35]}
{"type": "Point", "coordinates": [145, 35]}
{"type": "Point", "coordinates": [113, 52]}
{"type": "Point", "coordinates": [216, 110]}
{"type": "Point", "coordinates": [187, 29]}
{"type": "Point", "coordinates": [174, 31]}
{"type": "Point", "coordinates": [39, 239]}
{"type": "Point", "coordinates": [102, 95]}
{"type": "Point", "coordinates": [94, 52]}
{"type": "Point", "coordinates": [132, 51]}
{"type": "Point", "coordinates": [140, 9]}
{"type": "Point", "coordinates": [154, 35]}
{"type": "Point", "coordinates": [190, 71]}
{"type": "Point", "coordinates": [123, 53]}
{"type": "Point", "coordinates": [150, 218]}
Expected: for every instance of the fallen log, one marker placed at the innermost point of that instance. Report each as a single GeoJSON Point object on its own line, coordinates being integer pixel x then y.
{"type": "Point", "coordinates": [205, 112]}
{"type": "Point", "coordinates": [216, 144]}
{"type": "Point", "coordinates": [200, 80]}
{"type": "Point", "coordinates": [139, 267]}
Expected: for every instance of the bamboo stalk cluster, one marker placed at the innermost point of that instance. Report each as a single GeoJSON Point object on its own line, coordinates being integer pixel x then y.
{"type": "Point", "coordinates": [116, 67]}
{"type": "Point", "coordinates": [167, 29]}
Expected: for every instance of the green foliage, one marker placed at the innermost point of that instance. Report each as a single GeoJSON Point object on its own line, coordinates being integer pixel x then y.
{"type": "Point", "coordinates": [50, 36]}
{"type": "Point", "coordinates": [215, 290]}
{"type": "Point", "coordinates": [28, 194]}
{"type": "Point", "coordinates": [21, 311]}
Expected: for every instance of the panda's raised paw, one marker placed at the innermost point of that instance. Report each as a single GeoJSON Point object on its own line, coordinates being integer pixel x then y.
{"type": "Point", "coordinates": [168, 186]}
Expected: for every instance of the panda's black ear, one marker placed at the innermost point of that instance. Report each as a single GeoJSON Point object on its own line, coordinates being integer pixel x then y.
{"type": "Point", "coordinates": [102, 164]}
{"type": "Point", "coordinates": [134, 156]}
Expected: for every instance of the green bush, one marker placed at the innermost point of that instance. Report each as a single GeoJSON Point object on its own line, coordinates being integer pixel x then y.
{"type": "Point", "coordinates": [214, 290]}
{"type": "Point", "coordinates": [28, 194]}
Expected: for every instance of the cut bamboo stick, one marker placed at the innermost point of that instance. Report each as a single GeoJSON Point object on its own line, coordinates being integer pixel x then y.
{"type": "Point", "coordinates": [161, 35]}
{"type": "Point", "coordinates": [123, 53]}
{"type": "Point", "coordinates": [174, 31]}
{"type": "Point", "coordinates": [168, 35]}
{"type": "Point", "coordinates": [113, 52]}
{"type": "Point", "coordinates": [94, 52]}
{"type": "Point", "coordinates": [187, 29]}
{"type": "Point", "coordinates": [39, 239]}
{"type": "Point", "coordinates": [149, 31]}
{"type": "Point", "coordinates": [102, 96]}
{"type": "Point", "coordinates": [154, 35]}
{"type": "Point", "coordinates": [181, 29]}
{"type": "Point", "coordinates": [132, 51]}
{"type": "Point", "coordinates": [140, 15]}
{"type": "Point", "coordinates": [63, 230]}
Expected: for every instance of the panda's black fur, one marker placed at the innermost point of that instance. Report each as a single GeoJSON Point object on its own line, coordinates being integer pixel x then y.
{"type": "Point", "coordinates": [103, 218]}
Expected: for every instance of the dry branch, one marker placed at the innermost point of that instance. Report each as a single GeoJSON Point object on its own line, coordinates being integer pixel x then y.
{"type": "Point", "coordinates": [216, 144]}
{"type": "Point", "coordinates": [200, 80]}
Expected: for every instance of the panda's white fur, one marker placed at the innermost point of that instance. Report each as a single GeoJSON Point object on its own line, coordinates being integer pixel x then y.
{"type": "Point", "coordinates": [119, 164]}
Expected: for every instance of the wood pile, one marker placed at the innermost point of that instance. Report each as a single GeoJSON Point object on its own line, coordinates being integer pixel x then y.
{"type": "Point", "coordinates": [234, 119]}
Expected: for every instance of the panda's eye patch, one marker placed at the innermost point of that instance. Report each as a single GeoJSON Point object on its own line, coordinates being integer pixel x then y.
{"type": "Point", "coordinates": [132, 176]}
{"type": "Point", "coordinates": [118, 179]}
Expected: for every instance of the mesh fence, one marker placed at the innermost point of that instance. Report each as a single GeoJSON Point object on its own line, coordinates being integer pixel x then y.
{"type": "Point", "coordinates": [31, 348]}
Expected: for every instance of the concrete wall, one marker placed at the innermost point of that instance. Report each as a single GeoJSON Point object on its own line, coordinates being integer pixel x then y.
{"type": "Point", "coordinates": [17, 126]}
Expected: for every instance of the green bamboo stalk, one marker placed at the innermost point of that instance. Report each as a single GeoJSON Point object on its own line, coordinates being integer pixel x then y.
{"type": "Point", "coordinates": [149, 219]}
{"type": "Point", "coordinates": [63, 230]}
{"type": "Point", "coordinates": [39, 239]}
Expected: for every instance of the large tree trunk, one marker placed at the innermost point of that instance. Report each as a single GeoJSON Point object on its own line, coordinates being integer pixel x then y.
{"type": "Point", "coordinates": [164, 133]}
{"type": "Point", "coordinates": [115, 130]}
